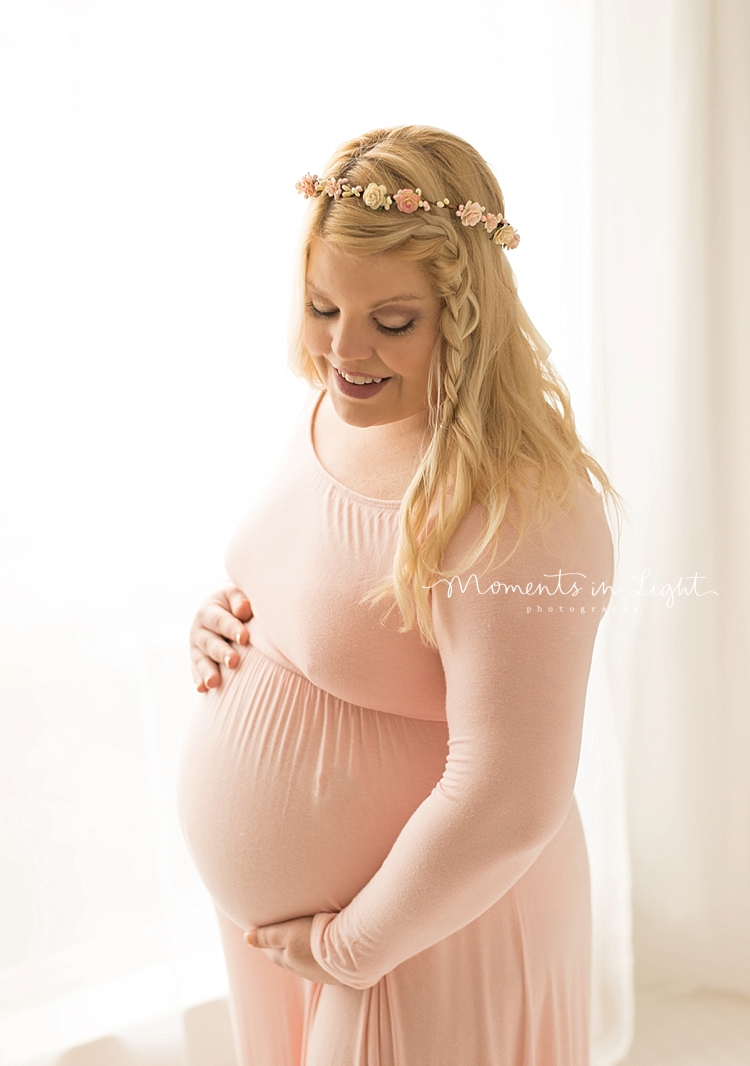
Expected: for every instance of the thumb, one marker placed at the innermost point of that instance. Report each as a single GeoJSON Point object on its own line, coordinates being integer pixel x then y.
{"type": "Point", "coordinates": [267, 936]}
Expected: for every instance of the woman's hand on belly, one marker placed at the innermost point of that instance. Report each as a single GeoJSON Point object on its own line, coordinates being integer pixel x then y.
{"type": "Point", "coordinates": [215, 623]}
{"type": "Point", "coordinates": [288, 945]}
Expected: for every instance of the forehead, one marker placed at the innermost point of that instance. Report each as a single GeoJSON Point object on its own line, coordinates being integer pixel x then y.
{"type": "Point", "coordinates": [330, 270]}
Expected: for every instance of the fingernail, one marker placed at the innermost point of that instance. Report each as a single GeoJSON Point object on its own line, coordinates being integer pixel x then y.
{"type": "Point", "coordinates": [238, 636]}
{"type": "Point", "coordinates": [206, 680]}
{"type": "Point", "coordinates": [227, 658]}
{"type": "Point", "coordinates": [250, 937]}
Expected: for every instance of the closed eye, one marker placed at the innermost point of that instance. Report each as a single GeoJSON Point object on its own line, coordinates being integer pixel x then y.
{"type": "Point", "coordinates": [313, 310]}
{"type": "Point", "coordinates": [394, 332]}
{"type": "Point", "coordinates": [390, 331]}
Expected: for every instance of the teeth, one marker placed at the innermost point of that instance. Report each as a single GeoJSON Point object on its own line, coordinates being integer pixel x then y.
{"type": "Point", "coordinates": [357, 380]}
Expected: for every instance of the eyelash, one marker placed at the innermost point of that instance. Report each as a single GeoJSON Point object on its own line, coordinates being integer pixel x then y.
{"type": "Point", "coordinates": [387, 330]}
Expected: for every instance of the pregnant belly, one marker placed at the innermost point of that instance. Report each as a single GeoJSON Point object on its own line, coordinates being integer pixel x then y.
{"type": "Point", "coordinates": [290, 798]}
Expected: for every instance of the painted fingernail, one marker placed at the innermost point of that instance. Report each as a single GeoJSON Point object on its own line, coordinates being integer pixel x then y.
{"type": "Point", "coordinates": [227, 658]}
{"type": "Point", "coordinates": [238, 636]}
{"type": "Point", "coordinates": [206, 680]}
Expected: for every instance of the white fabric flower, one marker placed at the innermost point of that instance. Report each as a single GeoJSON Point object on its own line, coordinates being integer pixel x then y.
{"type": "Point", "coordinates": [374, 196]}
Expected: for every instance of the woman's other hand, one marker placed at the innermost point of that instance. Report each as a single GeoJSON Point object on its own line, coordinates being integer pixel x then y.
{"type": "Point", "coordinates": [220, 619]}
{"type": "Point", "coordinates": [288, 945]}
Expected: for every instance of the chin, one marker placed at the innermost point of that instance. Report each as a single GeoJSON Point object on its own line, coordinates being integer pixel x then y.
{"type": "Point", "coordinates": [354, 415]}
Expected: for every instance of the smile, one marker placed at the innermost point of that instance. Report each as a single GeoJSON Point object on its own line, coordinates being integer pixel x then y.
{"type": "Point", "coordinates": [358, 379]}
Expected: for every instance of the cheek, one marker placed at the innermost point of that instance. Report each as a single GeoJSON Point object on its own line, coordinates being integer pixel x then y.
{"type": "Point", "coordinates": [427, 352]}
{"type": "Point", "coordinates": [316, 337]}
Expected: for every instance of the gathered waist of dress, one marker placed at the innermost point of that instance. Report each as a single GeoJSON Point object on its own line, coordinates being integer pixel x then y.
{"type": "Point", "coordinates": [402, 703]}
{"type": "Point", "coordinates": [261, 641]}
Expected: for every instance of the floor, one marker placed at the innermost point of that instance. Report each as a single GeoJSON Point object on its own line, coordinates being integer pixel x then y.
{"type": "Point", "coordinates": [696, 1029]}
{"type": "Point", "coordinates": [201, 1036]}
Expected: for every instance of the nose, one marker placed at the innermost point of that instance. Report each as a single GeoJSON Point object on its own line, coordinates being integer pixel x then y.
{"type": "Point", "coordinates": [348, 342]}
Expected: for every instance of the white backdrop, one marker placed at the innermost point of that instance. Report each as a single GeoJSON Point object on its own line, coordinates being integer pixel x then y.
{"type": "Point", "coordinates": [148, 154]}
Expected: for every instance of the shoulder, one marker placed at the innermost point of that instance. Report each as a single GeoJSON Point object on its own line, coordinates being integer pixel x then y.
{"type": "Point", "coordinates": [577, 533]}
{"type": "Point", "coordinates": [551, 586]}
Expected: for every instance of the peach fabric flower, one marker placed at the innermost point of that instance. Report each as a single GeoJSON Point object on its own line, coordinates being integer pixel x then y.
{"type": "Point", "coordinates": [491, 222]}
{"type": "Point", "coordinates": [507, 235]}
{"type": "Point", "coordinates": [470, 213]}
{"type": "Point", "coordinates": [407, 201]}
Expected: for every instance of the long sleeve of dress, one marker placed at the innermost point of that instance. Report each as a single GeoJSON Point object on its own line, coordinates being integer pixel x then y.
{"type": "Point", "coordinates": [516, 643]}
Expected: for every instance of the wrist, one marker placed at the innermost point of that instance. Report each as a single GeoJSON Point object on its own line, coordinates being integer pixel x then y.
{"type": "Point", "coordinates": [323, 925]}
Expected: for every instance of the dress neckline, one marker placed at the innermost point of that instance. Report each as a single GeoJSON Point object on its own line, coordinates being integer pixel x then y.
{"type": "Point", "coordinates": [357, 497]}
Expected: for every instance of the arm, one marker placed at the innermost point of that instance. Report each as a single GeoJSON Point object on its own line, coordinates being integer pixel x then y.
{"type": "Point", "coordinates": [515, 691]}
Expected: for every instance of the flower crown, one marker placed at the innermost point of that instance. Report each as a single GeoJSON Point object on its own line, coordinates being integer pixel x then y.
{"type": "Point", "coordinates": [408, 201]}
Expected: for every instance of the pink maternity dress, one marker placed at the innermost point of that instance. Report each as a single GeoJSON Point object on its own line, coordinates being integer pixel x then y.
{"type": "Point", "coordinates": [418, 802]}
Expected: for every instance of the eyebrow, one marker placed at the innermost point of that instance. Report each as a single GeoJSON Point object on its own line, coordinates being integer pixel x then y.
{"type": "Point", "coordinates": [391, 299]}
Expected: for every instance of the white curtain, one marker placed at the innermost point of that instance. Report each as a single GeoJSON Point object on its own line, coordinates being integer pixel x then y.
{"type": "Point", "coordinates": [672, 152]}
{"type": "Point", "coordinates": [149, 152]}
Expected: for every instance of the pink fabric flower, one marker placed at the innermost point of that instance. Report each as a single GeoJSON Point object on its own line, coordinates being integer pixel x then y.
{"type": "Point", "coordinates": [407, 201]}
{"type": "Point", "coordinates": [491, 222]}
{"type": "Point", "coordinates": [307, 185]}
{"type": "Point", "coordinates": [470, 213]}
{"type": "Point", "coordinates": [333, 188]}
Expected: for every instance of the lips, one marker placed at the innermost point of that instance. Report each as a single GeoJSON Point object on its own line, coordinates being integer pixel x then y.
{"type": "Point", "coordinates": [359, 392]}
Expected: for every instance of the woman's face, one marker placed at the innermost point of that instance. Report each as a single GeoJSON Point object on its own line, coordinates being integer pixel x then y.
{"type": "Point", "coordinates": [370, 317]}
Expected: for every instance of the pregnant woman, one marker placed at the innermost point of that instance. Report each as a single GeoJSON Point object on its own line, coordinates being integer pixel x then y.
{"type": "Point", "coordinates": [377, 782]}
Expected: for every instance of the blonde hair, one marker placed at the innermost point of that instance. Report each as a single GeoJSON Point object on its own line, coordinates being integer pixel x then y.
{"type": "Point", "coordinates": [500, 417]}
